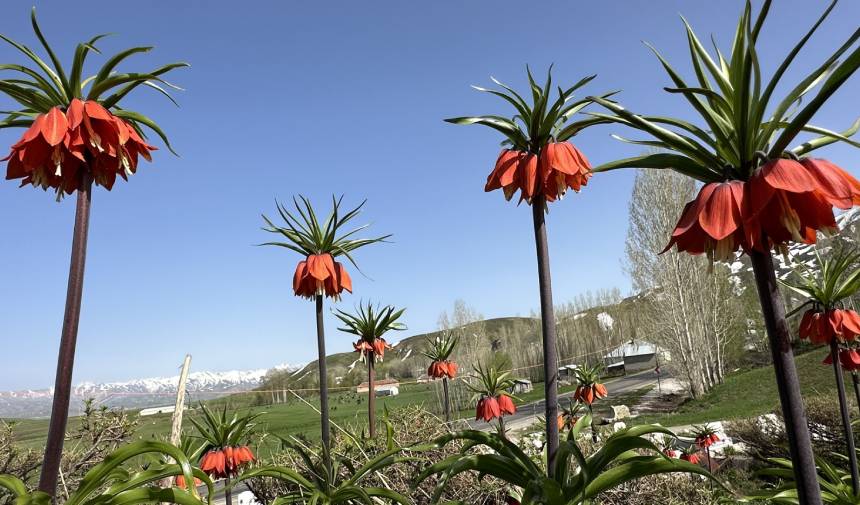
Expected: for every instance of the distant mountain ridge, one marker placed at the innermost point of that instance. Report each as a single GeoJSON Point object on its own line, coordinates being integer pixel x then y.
{"type": "Point", "coordinates": [136, 393]}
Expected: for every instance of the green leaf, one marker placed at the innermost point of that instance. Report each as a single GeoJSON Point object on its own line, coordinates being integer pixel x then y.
{"type": "Point", "coordinates": [56, 61]}
{"type": "Point", "coordinates": [679, 163]}
{"type": "Point", "coordinates": [833, 83]}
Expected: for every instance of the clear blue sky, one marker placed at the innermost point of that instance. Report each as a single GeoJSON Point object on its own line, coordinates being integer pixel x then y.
{"type": "Point", "coordinates": [337, 97]}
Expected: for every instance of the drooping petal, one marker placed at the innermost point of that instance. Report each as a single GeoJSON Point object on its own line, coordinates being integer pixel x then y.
{"type": "Point", "coordinates": [54, 127]}
{"type": "Point", "coordinates": [529, 171]}
{"type": "Point", "coordinates": [720, 216]}
{"type": "Point", "coordinates": [832, 184]}
{"type": "Point", "coordinates": [788, 175]}
{"type": "Point", "coordinates": [344, 280]}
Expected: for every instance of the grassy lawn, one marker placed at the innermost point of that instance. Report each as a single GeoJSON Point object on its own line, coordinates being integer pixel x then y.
{"type": "Point", "coordinates": [750, 393]}
{"type": "Point", "coordinates": [347, 409]}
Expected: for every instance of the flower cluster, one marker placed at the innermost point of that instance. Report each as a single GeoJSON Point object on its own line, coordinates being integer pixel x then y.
{"type": "Point", "coordinates": [225, 461]}
{"type": "Point", "coordinates": [62, 147]}
{"type": "Point", "coordinates": [823, 327]}
{"type": "Point", "coordinates": [706, 440]}
{"type": "Point", "coordinates": [690, 456]}
{"type": "Point", "coordinates": [848, 358]}
{"type": "Point", "coordinates": [589, 392]}
{"type": "Point", "coordinates": [442, 368]}
{"type": "Point", "coordinates": [787, 199]}
{"type": "Point", "coordinates": [492, 407]}
{"type": "Point", "coordinates": [180, 481]}
{"type": "Point", "coordinates": [377, 347]}
{"type": "Point", "coordinates": [559, 166]}
{"type": "Point", "coordinates": [320, 274]}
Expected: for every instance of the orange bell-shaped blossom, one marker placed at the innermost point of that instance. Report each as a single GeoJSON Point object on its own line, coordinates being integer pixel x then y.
{"type": "Point", "coordinates": [848, 358]}
{"type": "Point", "coordinates": [60, 147]}
{"type": "Point", "coordinates": [225, 462]}
{"type": "Point", "coordinates": [559, 166]}
{"type": "Point", "coordinates": [506, 405]}
{"type": "Point", "coordinates": [834, 324]}
{"type": "Point", "coordinates": [379, 347]}
{"type": "Point", "coordinates": [791, 200]}
{"type": "Point", "coordinates": [706, 441]}
{"type": "Point", "coordinates": [488, 409]}
{"type": "Point", "coordinates": [713, 222]}
{"type": "Point", "coordinates": [589, 393]}
{"type": "Point", "coordinates": [180, 481]}
{"type": "Point", "coordinates": [320, 274]}
{"type": "Point", "coordinates": [562, 166]}
{"type": "Point", "coordinates": [362, 347]}
{"type": "Point", "coordinates": [692, 457]}
{"type": "Point", "coordinates": [441, 369]}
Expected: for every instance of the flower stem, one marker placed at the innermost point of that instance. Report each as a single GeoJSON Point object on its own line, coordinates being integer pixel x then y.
{"type": "Point", "coordinates": [371, 396]}
{"type": "Point", "coordinates": [800, 445]}
{"type": "Point", "coordinates": [68, 339]}
{"type": "Point", "coordinates": [846, 418]}
{"type": "Point", "coordinates": [447, 404]}
{"type": "Point", "coordinates": [710, 466]}
{"type": "Point", "coordinates": [856, 380]}
{"type": "Point", "coordinates": [593, 429]}
{"type": "Point", "coordinates": [228, 494]}
{"type": "Point", "coordinates": [550, 357]}
{"type": "Point", "coordinates": [323, 379]}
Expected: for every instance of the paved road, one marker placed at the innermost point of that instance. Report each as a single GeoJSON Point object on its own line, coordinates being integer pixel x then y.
{"type": "Point", "coordinates": [529, 412]}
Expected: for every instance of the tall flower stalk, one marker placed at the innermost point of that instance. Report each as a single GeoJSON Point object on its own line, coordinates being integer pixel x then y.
{"type": "Point", "coordinates": [76, 135]}
{"type": "Point", "coordinates": [758, 195]}
{"type": "Point", "coordinates": [439, 351]}
{"type": "Point", "coordinates": [538, 161]}
{"type": "Point", "coordinates": [826, 284]}
{"type": "Point", "coordinates": [370, 323]}
{"type": "Point", "coordinates": [319, 275]}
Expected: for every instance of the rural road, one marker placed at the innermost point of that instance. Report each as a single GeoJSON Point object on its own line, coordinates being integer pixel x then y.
{"type": "Point", "coordinates": [529, 412]}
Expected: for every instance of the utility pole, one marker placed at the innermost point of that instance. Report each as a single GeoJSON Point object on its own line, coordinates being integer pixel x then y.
{"type": "Point", "coordinates": [176, 427]}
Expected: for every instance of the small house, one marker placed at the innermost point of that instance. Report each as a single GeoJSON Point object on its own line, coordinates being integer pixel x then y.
{"type": "Point", "coordinates": [521, 386]}
{"type": "Point", "coordinates": [383, 387]}
{"type": "Point", "coordinates": [567, 372]}
{"type": "Point", "coordinates": [631, 357]}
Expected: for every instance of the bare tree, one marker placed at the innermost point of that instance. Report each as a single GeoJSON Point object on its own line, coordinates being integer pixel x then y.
{"type": "Point", "coordinates": [690, 305]}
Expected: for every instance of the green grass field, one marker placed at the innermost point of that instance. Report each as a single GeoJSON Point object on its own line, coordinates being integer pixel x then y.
{"type": "Point", "coordinates": [750, 393]}
{"type": "Point", "coordinates": [348, 410]}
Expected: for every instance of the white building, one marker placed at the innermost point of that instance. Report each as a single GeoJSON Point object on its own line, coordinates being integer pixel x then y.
{"type": "Point", "coordinates": [151, 411]}
{"type": "Point", "coordinates": [634, 356]}
{"type": "Point", "coordinates": [384, 387]}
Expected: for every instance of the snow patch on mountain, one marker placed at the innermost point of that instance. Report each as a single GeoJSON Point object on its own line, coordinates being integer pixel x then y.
{"type": "Point", "coordinates": [605, 320]}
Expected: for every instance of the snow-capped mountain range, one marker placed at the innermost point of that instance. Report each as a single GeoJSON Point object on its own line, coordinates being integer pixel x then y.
{"type": "Point", "coordinates": [136, 393]}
